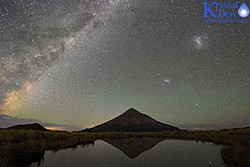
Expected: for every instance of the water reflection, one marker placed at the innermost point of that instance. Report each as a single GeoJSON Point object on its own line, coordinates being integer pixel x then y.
{"type": "Point", "coordinates": [126, 152]}
{"type": "Point", "coordinates": [20, 156]}
{"type": "Point", "coordinates": [134, 147]}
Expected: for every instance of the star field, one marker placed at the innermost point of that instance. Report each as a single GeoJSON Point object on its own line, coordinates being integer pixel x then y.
{"type": "Point", "coordinates": [82, 62]}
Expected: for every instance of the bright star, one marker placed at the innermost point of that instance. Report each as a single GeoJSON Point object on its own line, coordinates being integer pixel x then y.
{"type": "Point", "coordinates": [167, 81]}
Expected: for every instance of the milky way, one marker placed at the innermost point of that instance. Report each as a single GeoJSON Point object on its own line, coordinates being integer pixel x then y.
{"type": "Point", "coordinates": [85, 61]}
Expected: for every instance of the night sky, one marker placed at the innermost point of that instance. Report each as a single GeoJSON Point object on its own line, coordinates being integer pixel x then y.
{"type": "Point", "coordinates": [82, 62]}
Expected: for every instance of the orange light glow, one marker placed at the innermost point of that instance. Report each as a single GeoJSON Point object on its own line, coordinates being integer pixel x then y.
{"type": "Point", "coordinates": [54, 128]}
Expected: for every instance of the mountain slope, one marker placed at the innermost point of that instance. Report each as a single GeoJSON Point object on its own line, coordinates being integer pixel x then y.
{"type": "Point", "coordinates": [132, 121]}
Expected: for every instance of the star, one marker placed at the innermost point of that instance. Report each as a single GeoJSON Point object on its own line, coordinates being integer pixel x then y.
{"type": "Point", "coordinates": [165, 82]}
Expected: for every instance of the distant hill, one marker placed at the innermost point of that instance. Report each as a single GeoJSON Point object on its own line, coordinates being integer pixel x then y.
{"type": "Point", "coordinates": [132, 121]}
{"type": "Point", "coordinates": [34, 126]}
{"type": "Point", "coordinates": [9, 121]}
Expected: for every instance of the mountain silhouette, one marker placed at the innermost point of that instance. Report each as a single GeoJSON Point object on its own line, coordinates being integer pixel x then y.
{"type": "Point", "coordinates": [132, 121]}
{"type": "Point", "coordinates": [135, 146]}
{"type": "Point", "coordinates": [34, 126]}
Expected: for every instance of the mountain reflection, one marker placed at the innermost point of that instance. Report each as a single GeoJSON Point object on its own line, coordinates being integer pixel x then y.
{"type": "Point", "coordinates": [135, 146]}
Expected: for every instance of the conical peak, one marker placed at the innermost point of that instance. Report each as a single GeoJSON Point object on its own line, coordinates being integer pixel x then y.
{"type": "Point", "coordinates": [132, 121]}
{"type": "Point", "coordinates": [132, 111]}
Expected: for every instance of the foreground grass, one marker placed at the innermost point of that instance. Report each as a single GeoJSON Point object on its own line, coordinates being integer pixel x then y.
{"type": "Point", "coordinates": [236, 156]}
{"type": "Point", "coordinates": [235, 137]}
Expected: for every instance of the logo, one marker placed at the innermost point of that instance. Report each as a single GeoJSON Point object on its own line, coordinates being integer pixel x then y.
{"type": "Point", "coordinates": [243, 10]}
{"type": "Point", "coordinates": [225, 12]}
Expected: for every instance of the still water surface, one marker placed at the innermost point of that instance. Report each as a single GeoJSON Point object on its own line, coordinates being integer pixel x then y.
{"type": "Point", "coordinates": [136, 153]}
